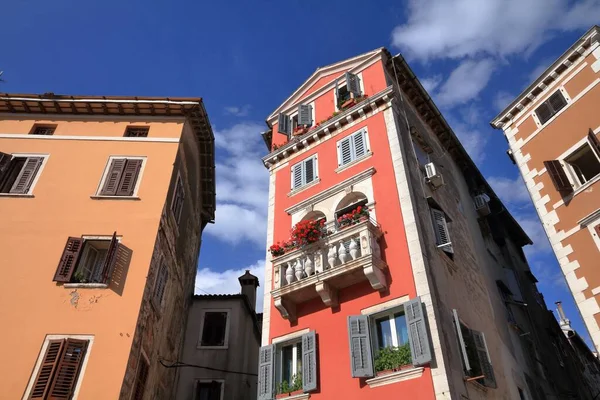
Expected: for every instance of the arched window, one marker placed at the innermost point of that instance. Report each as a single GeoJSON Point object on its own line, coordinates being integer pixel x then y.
{"type": "Point", "coordinates": [314, 216]}
{"type": "Point", "coordinates": [349, 203]}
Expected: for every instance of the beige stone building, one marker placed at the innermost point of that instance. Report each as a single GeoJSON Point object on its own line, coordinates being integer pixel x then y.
{"type": "Point", "coordinates": [103, 201]}
{"type": "Point", "coordinates": [553, 133]}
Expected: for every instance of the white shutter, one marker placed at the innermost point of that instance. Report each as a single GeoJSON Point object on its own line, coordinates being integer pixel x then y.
{"type": "Point", "coordinates": [359, 142]}
{"type": "Point", "coordinates": [353, 84]}
{"type": "Point", "coordinates": [344, 151]}
{"type": "Point", "coordinates": [297, 176]}
{"type": "Point", "coordinates": [484, 359]}
{"type": "Point", "coordinates": [442, 234]}
{"type": "Point", "coordinates": [305, 114]}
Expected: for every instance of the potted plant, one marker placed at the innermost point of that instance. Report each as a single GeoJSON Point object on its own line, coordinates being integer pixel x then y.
{"type": "Point", "coordinates": [307, 232]}
{"type": "Point", "coordinates": [286, 389]}
{"type": "Point", "coordinates": [300, 130]}
{"type": "Point", "coordinates": [359, 214]}
{"type": "Point", "coordinates": [392, 359]}
{"type": "Point", "coordinates": [277, 250]}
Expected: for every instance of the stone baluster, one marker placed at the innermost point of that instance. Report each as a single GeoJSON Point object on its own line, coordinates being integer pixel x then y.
{"type": "Point", "coordinates": [309, 265]}
{"type": "Point", "coordinates": [319, 260]}
{"type": "Point", "coordinates": [299, 269]}
{"type": "Point", "coordinates": [343, 254]}
{"type": "Point", "coordinates": [354, 250]}
{"type": "Point", "coordinates": [332, 255]}
{"type": "Point", "coordinates": [289, 273]}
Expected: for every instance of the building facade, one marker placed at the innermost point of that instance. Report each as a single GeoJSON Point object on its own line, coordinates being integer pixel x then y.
{"type": "Point", "coordinates": [552, 130]}
{"type": "Point", "coordinates": [221, 345]}
{"type": "Point", "coordinates": [104, 201]}
{"type": "Point", "coordinates": [403, 273]}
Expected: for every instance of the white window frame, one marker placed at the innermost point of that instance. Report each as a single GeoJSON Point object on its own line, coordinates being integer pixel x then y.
{"type": "Point", "coordinates": [360, 82]}
{"type": "Point", "coordinates": [577, 187]}
{"type": "Point", "coordinates": [71, 285]}
{"type": "Point", "coordinates": [207, 380]}
{"type": "Point", "coordinates": [303, 172]}
{"type": "Point", "coordinates": [227, 326]}
{"type": "Point", "coordinates": [362, 131]}
{"type": "Point", "coordinates": [137, 183]}
{"type": "Point", "coordinates": [389, 312]}
{"type": "Point", "coordinates": [45, 157]}
{"type": "Point", "coordinates": [279, 358]}
{"type": "Point", "coordinates": [573, 177]}
{"type": "Point", "coordinates": [592, 229]}
{"type": "Point", "coordinates": [40, 359]}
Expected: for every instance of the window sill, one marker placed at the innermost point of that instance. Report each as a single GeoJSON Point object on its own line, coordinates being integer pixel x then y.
{"type": "Point", "coordinates": [395, 377]}
{"type": "Point", "coordinates": [199, 347]}
{"type": "Point", "coordinates": [98, 197]}
{"type": "Point", "coordinates": [15, 195]}
{"type": "Point", "coordinates": [585, 186]}
{"type": "Point", "coordinates": [351, 164]}
{"type": "Point", "coordinates": [300, 189]}
{"type": "Point", "coordinates": [300, 396]}
{"type": "Point", "coordinates": [86, 285]}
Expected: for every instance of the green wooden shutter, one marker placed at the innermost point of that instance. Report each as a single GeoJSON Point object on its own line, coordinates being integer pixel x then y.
{"type": "Point", "coordinates": [484, 359]}
{"type": "Point", "coordinates": [353, 84]}
{"type": "Point", "coordinates": [344, 151]}
{"type": "Point", "coordinates": [592, 138]}
{"type": "Point", "coordinates": [361, 357]}
{"type": "Point", "coordinates": [113, 177]}
{"type": "Point", "coordinates": [42, 382]}
{"type": "Point", "coordinates": [558, 176]}
{"type": "Point", "coordinates": [309, 362]}
{"type": "Point", "coordinates": [129, 177]}
{"type": "Point", "coordinates": [266, 364]}
{"type": "Point", "coordinates": [305, 114]}
{"type": "Point", "coordinates": [418, 337]}
{"type": "Point", "coordinates": [284, 125]}
{"type": "Point", "coordinates": [442, 234]}
{"type": "Point", "coordinates": [68, 260]}
{"type": "Point", "coordinates": [67, 371]}
{"type": "Point", "coordinates": [461, 341]}
{"type": "Point", "coordinates": [27, 175]}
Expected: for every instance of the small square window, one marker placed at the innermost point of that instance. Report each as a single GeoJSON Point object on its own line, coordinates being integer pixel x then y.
{"type": "Point", "coordinates": [208, 390]}
{"type": "Point", "coordinates": [44, 130]}
{"type": "Point", "coordinates": [214, 329]}
{"type": "Point", "coordinates": [584, 164]}
{"type": "Point", "coordinates": [18, 173]}
{"type": "Point", "coordinates": [136, 131]}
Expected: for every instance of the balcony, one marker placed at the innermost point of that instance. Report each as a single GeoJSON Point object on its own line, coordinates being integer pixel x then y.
{"type": "Point", "coordinates": [347, 256]}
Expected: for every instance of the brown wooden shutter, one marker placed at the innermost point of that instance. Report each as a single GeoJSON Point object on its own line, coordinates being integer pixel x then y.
{"type": "Point", "coordinates": [594, 142]}
{"type": "Point", "coordinates": [69, 259]}
{"type": "Point", "coordinates": [129, 178]}
{"type": "Point", "coordinates": [111, 258]}
{"type": "Point", "coordinates": [27, 175]}
{"type": "Point", "coordinates": [65, 378]}
{"type": "Point", "coordinates": [558, 176]}
{"type": "Point", "coordinates": [41, 386]}
{"type": "Point", "coordinates": [113, 177]}
{"type": "Point", "coordinates": [5, 160]}
{"type": "Point", "coordinates": [140, 379]}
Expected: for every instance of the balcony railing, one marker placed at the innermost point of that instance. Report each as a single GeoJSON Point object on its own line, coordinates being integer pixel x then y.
{"type": "Point", "coordinates": [347, 256]}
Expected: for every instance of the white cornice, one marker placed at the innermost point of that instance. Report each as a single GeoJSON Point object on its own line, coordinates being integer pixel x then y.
{"type": "Point", "coordinates": [354, 65]}
{"type": "Point", "coordinates": [353, 180]}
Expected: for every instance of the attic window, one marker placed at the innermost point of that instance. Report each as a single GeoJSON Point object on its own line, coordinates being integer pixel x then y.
{"type": "Point", "coordinates": [136, 131]}
{"type": "Point", "coordinates": [44, 130]}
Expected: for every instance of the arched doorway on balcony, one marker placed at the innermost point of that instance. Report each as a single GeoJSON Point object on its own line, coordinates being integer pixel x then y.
{"type": "Point", "coordinates": [349, 203]}
{"type": "Point", "coordinates": [314, 216]}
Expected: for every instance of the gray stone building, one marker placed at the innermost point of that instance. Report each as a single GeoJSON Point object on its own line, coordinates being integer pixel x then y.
{"type": "Point", "coordinates": [220, 353]}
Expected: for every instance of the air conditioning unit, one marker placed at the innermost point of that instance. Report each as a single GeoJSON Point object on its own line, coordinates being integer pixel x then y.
{"type": "Point", "coordinates": [482, 205]}
{"type": "Point", "coordinates": [433, 177]}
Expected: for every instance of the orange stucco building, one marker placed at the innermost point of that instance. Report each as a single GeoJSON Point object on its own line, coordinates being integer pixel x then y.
{"type": "Point", "coordinates": [392, 268]}
{"type": "Point", "coordinates": [103, 201]}
{"type": "Point", "coordinates": [553, 132]}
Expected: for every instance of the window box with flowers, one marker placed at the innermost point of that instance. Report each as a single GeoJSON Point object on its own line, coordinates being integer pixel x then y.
{"type": "Point", "coordinates": [300, 130]}
{"type": "Point", "coordinates": [359, 214]}
{"type": "Point", "coordinates": [302, 234]}
{"type": "Point", "coordinates": [351, 102]}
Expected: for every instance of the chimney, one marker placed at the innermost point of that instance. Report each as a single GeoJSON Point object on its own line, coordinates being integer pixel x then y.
{"type": "Point", "coordinates": [564, 322]}
{"type": "Point", "coordinates": [249, 284]}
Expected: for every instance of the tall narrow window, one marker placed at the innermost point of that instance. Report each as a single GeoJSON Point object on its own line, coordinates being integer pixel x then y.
{"type": "Point", "coordinates": [178, 198]}
{"type": "Point", "coordinates": [160, 285]}
{"type": "Point", "coordinates": [18, 173]}
{"type": "Point", "coordinates": [214, 329]}
{"type": "Point", "coordinates": [121, 177]}
{"type": "Point", "coordinates": [140, 379]}
{"type": "Point", "coordinates": [304, 172]}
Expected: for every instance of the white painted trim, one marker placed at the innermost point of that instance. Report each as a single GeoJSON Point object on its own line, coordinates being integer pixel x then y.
{"type": "Point", "coordinates": [365, 132]}
{"type": "Point", "coordinates": [85, 285]}
{"type": "Point", "coordinates": [208, 380]}
{"type": "Point", "coordinates": [97, 197]}
{"type": "Point", "coordinates": [16, 195]}
{"type": "Point", "coordinates": [29, 193]}
{"type": "Point", "coordinates": [592, 229]}
{"type": "Point", "coordinates": [38, 364]}
{"type": "Point", "coordinates": [303, 188]}
{"type": "Point", "coordinates": [289, 336]}
{"type": "Point", "coordinates": [395, 377]}
{"type": "Point", "coordinates": [353, 162]}
{"type": "Point", "coordinates": [227, 326]}
{"type": "Point", "coordinates": [268, 264]}
{"type": "Point", "coordinates": [107, 168]}
{"type": "Point", "coordinates": [588, 219]}
{"type": "Point", "coordinates": [92, 138]}
{"type": "Point", "coordinates": [316, 170]}
{"type": "Point", "coordinates": [381, 307]}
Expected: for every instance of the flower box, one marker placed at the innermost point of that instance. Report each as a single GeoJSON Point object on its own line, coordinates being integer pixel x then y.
{"type": "Point", "coordinates": [359, 214]}
{"type": "Point", "coordinates": [391, 371]}
{"type": "Point", "coordinates": [301, 130]}
{"type": "Point", "coordinates": [285, 395]}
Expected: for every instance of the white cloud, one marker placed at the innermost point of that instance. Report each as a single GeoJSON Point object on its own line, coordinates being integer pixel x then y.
{"type": "Point", "coordinates": [502, 99]}
{"type": "Point", "coordinates": [431, 83]}
{"type": "Point", "coordinates": [466, 28]}
{"type": "Point", "coordinates": [470, 137]}
{"type": "Point", "coordinates": [537, 71]}
{"type": "Point", "coordinates": [226, 282]}
{"type": "Point", "coordinates": [242, 186]}
{"type": "Point", "coordinates": [511, 191]}
{"type": "Point", "coordinates": [242, 111]}
{"type": "Point", "coordinates": [465, 82]}
{"type": "Point", "coordinates": [533, 227]}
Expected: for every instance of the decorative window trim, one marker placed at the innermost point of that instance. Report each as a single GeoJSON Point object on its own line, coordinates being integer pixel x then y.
{"type": "Point", "coordinates": [208, 380]}
{"type": "Point", "coordinates": [565, 96]}
{"type": "Point", "coordinates": [38, 363]}
{"type": "Point", "coordinates": [289, 336]}
{"type": "Point", "coordinates": [395, 377]}
{"type": "Point", "coordinates": [227, 326]}
{"type": "Point", "coordinates": [85, 285]}
{"type": "Point", "coordinates": [106, 171]}
{"type": "Point", "coordinates": [593, 228]}
{"type": "Point", "coordinates": [40, 170]}
{"type": "Point", "coordinates": [303, 188]}
{"type": "Point", "coordinates": [300, 165]}
{"type": "Point", "coordinates": [354, 162]}
{"type": "Point", "coordinates": [365, 132]}
{"type": "Point", "coordinates": [383, 307]}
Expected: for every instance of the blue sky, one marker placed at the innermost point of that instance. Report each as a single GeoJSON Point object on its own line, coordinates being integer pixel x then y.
{"type": "Point", "coordinates": [245, 57]}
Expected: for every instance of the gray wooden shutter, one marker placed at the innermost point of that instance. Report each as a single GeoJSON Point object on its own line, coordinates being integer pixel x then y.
{"type": "Point", "coordinates": [266, 362]}
{"type": "Point", "coordinates": [359, 144]}
{"type": "Point", "coordinates": [297, 175]}
{"type": "Point", "coordinates": [129, 178]}
{"type": "Point", "coordinates": [27, 175]}
{"type": "Point", "coordinates": [441, 230]}
{"type": "Point", "coordinates": [284, 125]}
{"type": "Point", "coordinates": [557, 101]}
{"type": "Point", "coordinates": [309, 362]}
{"type": "Point", "coordinates": [592, 138]}
{"type": "Point", "coordinates": [361, 357]}
{"type": "Point", "coordinates": [558, 176]}
{"type": "Point", "coordinates": [5, 160]}
{"type": "Point", "coordinates": [68, 260]}
{"type": "Point", "coordinates": [344, 151]}
{"type": "Point", "coordinates": [418, 337]}
{"type": "Point", "coordinates": [544, 112]}
{"type": "Point", "coordinates": [309, 170]}
{"type": "Point", "coordinates": [353, 84]}
{"type": "Point", "coordinates": [305, 114]}
{"type": "Point", "coordinates": [461, 340]}
{"type": "Point", "coordinates": [484, 359]}
{"type": "Point", "coordinates": [113, 177]}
